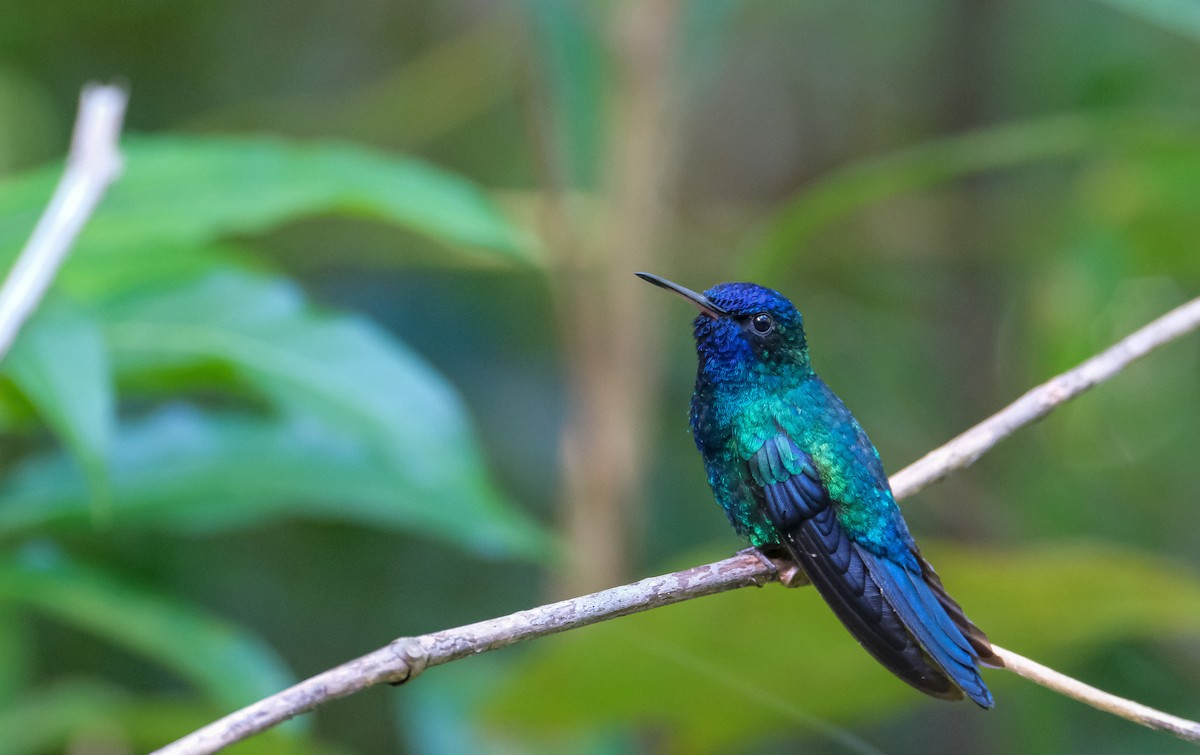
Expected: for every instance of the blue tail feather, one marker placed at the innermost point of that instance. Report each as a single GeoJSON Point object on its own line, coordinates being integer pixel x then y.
{"type": "Point", "coordinates": [924, 616]}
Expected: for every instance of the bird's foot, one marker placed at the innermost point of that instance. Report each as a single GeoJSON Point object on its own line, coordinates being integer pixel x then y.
{"type": "Point", "coordinates": [791, 575]}
{"type": "Point", "coordinates": [787, 571]}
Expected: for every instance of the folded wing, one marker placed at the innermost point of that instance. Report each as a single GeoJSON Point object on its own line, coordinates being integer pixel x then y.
{"type": "Point", "coordinates": [900, 613]}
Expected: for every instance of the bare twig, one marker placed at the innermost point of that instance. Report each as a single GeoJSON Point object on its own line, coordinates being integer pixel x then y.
{"type": "Point", "coordinates": [1038, 402]}
{"type": "Point", "coordinates": [92, 164]}
{"type": "Point", "coordinates": [406, 657]}
{"type": "Point", "coordinates": [612, 358]}
{"type": "Point", "coordinates": [1098, 699]}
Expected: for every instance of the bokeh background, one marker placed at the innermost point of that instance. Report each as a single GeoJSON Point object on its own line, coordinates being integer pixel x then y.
{"type": "Point", "coordinates": [354, 350]}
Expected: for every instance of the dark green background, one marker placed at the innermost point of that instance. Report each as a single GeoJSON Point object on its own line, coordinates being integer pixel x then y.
{"type": "Point", "coordinates": [964, 198]}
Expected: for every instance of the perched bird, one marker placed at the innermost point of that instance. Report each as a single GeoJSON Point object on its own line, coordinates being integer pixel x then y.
{"type": "Point", "coordinates": [796, 474]}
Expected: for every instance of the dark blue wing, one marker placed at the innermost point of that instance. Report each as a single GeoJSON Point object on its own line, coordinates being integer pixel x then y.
{"type": "Point", "coordinates": [900, 614]}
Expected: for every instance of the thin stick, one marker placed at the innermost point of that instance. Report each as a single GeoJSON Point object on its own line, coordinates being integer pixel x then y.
{"type": "Point", "coordinates": [1040, 401]}
{"type": "Point", "coordinates": [93, 163]}
{"type": "Point", "coordinates": [1098, 699]}
{"type": "Point", "coordinates": [407, 657]}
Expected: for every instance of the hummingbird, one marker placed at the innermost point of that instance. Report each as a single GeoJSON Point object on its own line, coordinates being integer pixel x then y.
{"type": "Point", "coordinates": [797, 476]}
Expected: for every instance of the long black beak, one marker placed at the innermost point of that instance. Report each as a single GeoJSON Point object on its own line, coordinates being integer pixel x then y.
{"type": "Point", "coordinates": [706, 306]}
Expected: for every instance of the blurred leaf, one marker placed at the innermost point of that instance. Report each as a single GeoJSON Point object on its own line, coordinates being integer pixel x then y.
{"type": "Point", "coordinates": [344, 371]}
{"type": "Point", "coordinates": [97, 278]}
{"type": "Point", "coordinates": [777, 242]}
{"type": "Point", "coordinates": [80, 716]}
{"type": "Point", "coordinates": [16, 662]}
{"type": "Point", "coordinates": [58, 361]}
{"type": "Point", "coordinates": [228, 665]}
{"type": "Point", "coordinates": [44, 720]}
{"type": "Point", "coordinates": [1177, 16]}
{"type": "Point", "coordinates": [441, 715]}
{"type": "Point", "coordinates": [755, 663]}
{"type": "Point", "coordinates": [572, 60]}
{"type": "Point", "coordinates": [179, 191]}
{"type": "Point", "coordinates": [184, 470]}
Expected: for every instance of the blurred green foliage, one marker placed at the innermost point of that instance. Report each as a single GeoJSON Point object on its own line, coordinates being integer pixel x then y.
{"type": "Point", "coordinates": [196, 392]}
{"type": "Point", "coordinates": [299, 388]}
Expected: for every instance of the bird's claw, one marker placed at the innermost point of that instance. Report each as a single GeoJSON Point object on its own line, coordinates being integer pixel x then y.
{"type": "Point", "coordinates": [791, 575]}
{"type": "Point", "coordinates": [787, 571]}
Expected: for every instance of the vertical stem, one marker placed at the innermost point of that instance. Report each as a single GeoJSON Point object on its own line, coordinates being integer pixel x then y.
{"type": "Point", "coordinates": [609, 341]}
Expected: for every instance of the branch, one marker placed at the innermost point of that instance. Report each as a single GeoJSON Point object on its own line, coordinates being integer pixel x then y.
{"type": "Point", "coordinates": [1039, 401]}
{"type": "Point", "coordinates": [1098, 699]}
{"type": "Point", "coordinates": [407, 657]}
{"type": "Point", "coordinates": [93, 163]}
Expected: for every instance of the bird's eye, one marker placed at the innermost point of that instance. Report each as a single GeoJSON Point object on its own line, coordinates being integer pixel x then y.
{"type": "Point", "coordinates": [762, 323]}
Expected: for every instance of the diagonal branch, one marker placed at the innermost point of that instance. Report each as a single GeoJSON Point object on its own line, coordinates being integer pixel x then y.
{"type": "Point", "coordinates": [963, 450]}
{"type": "Point", "coordinates": [1098, 699]}
{"type": "Point", "coordinates": [407, 657]}
{"type": "Point", "coordinates": [92, 164]}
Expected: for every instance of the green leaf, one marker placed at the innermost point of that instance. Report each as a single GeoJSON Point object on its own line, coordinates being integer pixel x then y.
{"type": "Point", "coordinates": [191, 191]}
{"type": "Point", "coordinates": [228, 665]}
{"type": "Point", "coordinates": [59, 363]}
{"type": "Point", "coordinates": [44, 720]}
{"type": "Point", "coordinates": [94, 279]}
{"type": "Point", "coordinates": [752, 664]}
{"type": "Point", "coordinates": [184, 470]}
{"type": "Point", "coordinates": [407, 422]}
{"type": "Point", "coordinates": [782, 236]}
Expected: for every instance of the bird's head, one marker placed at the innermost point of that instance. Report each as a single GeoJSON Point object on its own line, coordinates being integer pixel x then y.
{"type": "Point", "coordinates": [745, 329]}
